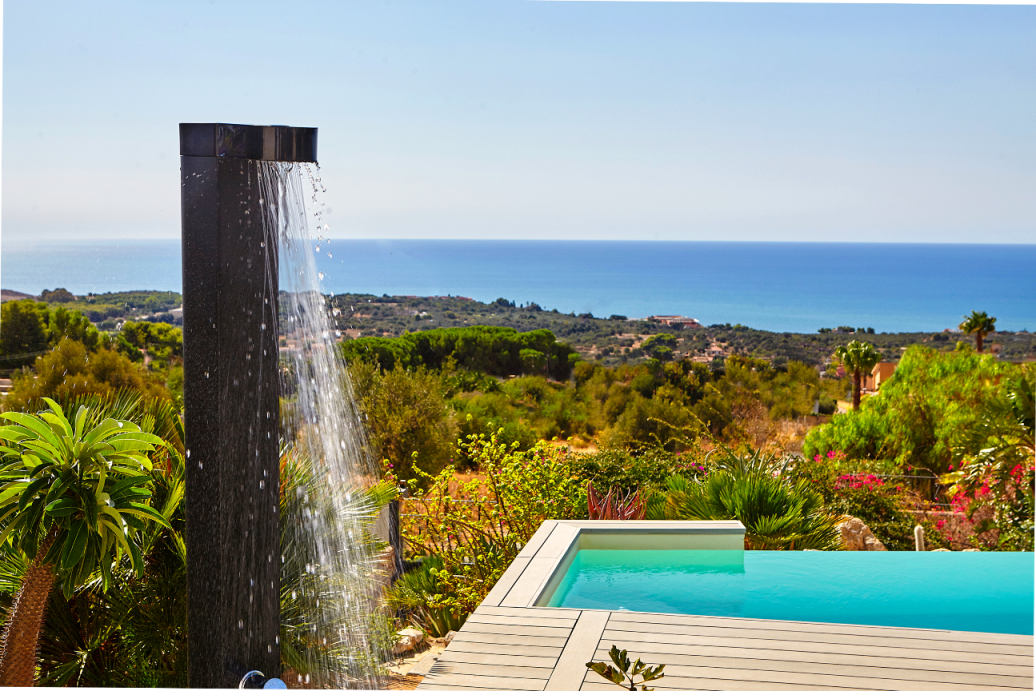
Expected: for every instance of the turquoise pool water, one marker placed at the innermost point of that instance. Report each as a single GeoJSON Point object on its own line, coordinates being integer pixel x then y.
{"type": "Point", "coordinates": [962, 591]}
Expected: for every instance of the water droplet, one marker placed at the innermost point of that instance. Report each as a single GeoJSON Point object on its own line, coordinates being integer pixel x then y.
{"type": "Point", "coordinates": [269, 648]}
{"type": "Point", "coordinates": [188, 453]}
{"type": "Point", "coordinates": [321, 274]}
{"type": "Point", "coordinates": [261, 483]}
{"type": "Point", "coordinates": [240, 624]}
{"type": "Point", "coordinates": [277, 640]}
{"type": "Point", "coordinates": [200, 465]}
{"type": "Point", "coordinates": [294, 595]}
{"type": "Point", "coordinates": [329, 256]}
{"type": "Point", "coordinates": [206, 375]}
{"type": "Point", "coordinates": [264, 326]}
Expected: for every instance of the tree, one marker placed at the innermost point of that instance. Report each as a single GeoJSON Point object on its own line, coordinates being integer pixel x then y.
{"type": "Point", "coordinates": [74, 497]}
{"type": "Point", "coordinates": [660, 346]}
{"type": "Point", "coordinates": [70, 369]}
{"type": "Point", "coordinates": [23, 332]}
{"type": "Point", "coordinates": [980, 324]}
{"type": "Point", "coordinates": [858, 358]}
{"type": "Point", "coordinates": [406, 414]}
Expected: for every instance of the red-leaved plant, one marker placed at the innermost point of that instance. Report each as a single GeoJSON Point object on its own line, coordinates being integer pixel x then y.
{"type": "Point", "coordinates": [613, 507]}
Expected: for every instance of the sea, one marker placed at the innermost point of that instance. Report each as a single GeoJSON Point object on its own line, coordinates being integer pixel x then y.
{"type": "Point", "coordinates": [776, 286]}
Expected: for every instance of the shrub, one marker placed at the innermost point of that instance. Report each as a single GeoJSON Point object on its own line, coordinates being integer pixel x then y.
{"type": "Point", "coordinates": [477, 527]}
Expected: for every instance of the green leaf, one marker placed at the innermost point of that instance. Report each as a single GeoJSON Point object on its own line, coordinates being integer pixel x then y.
{"type": "Point", "coordinates": [34, 424]}
{"type": "Point", "coordinates": [90, 509]}
{"type": "Point", "coordinates": [75, 545]}
{"type": "Point", "coordinates": [62, 507]}
{"type": "Point", "coordinates": [128, 482]}
{"type": "Point", "coordinates": [43, 449]}
{"type": "Point", "coordinates": [30, 492]}
{"type": "Point", "coordinates": [55, 548]}
{"type": "Point", "coordinates": [146, 511]}
{"type": "Point", "coordinates": [40, 468]}
{"type": "Point", "coordinates": [13, 434]}
{"type": "Point", "coordinates": [138, 559]}
{"type": "Point", "coordinates": [654, 673]}
{"type": "Point", "coordinates": [101, 432]}
{"type": "Point", "coordinates": [59, 487]}
{"type": "Point", "coordinates": [81, 416]}
{"type": "Point", "coordinates": [6, 532]}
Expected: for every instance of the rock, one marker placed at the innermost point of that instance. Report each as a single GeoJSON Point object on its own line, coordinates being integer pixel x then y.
{"type": "Point", "coordinates": [857, 537]}
{"type": "Point", "coordinates": [406, 640]}
{"type": "Point", "coordinates": [449, 636]}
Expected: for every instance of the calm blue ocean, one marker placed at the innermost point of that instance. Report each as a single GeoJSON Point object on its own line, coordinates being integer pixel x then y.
{"type": "Point", "coordinates": [795, 287]}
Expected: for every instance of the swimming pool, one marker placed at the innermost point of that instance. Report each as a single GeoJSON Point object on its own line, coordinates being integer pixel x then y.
{"type": "Point", "coordinates": [962, 591]}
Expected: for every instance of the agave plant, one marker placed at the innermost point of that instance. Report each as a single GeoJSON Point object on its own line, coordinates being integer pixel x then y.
{"type": "Point", "coordinates": [74, 499]}
{"type": "Point", "coordinates": [613, 506]}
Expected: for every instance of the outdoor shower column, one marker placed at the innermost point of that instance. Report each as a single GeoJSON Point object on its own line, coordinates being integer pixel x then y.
{"type": "Point", "coordinates": [231, 398]}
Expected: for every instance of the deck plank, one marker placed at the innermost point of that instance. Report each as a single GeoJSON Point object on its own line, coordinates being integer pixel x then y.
{"type": "Point", "coordinates": [765, 667]}
{"type": "Point", "coordinates": [806, 626]}
{"type": "Point", "coordinates": [571, 666]}
{"type": "Point", "coordinates": [497, 682]}
{"type": "Point", "coordinates": [931, 642]}
{"type": "Point", "coordinates": [881, 666]}
{"type": "Point", "coordinates": [519, 629]}
{"type": "Point", "coordinates": [494, 669]}
{"type": "Point", "coordinates": [646, 641]}
{"type": "Point", "coordinates": [503, 586]}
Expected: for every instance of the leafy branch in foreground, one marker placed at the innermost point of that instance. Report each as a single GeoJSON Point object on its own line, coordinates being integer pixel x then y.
{"type": "Point", "coordinates": [627, 671]}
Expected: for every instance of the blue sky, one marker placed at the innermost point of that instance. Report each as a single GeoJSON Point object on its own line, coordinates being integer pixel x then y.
{"type": "Point", "coordinates": [538, 120]}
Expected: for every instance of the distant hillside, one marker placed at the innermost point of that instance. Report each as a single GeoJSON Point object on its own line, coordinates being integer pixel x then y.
{"type": "Point", "coordinates": [6, 295]}
{"type": "Point", "coordinates": [105, 309]}
{"type": "Point", "coordinates": [612, 339]}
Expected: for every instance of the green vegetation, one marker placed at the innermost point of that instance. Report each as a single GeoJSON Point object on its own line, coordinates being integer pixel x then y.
{"type": "Point", "coordinates": [712, 423]}
{"type": "Point", "coordinates": [980, 324]}
{"type": "Point", "coordinates": [859, 359]}
{"type": "Point", "coordinates": [76, 500]}
{"type": "Point", "coordinates": [777, 512]}
{"type": "Point", "coordinates": [497, 351]}
{"type": "Point", "coordinates": [105, 308]}
{"type": "Point", "coordinates": [29, 329]}
{"type": "Point", "coordinates": [626, 672]}
{"type": "Point", "coordinates": [614, 340]}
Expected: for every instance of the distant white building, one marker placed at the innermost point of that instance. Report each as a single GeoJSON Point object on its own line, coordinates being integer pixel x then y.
{"type": "Point", "coordinates": [677, 321]}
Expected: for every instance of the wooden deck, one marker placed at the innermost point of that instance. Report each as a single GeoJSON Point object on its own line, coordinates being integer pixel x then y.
{"type": "Point", "coordinates": [509, 645]}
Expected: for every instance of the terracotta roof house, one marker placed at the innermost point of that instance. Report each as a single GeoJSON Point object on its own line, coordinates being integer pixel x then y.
{"type": "Point", "coordinates": [881, 372]}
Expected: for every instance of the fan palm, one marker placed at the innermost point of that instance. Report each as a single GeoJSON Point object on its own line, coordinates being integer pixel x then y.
{"type": "Point", "coordinates": [74, 499]}
{"type": "Point", "coordinates": [777, 514]}
{"type": "Point", "coordinates": [750, 487]}
{"type": "Point", "coordinates": [858, 358]}
{"type": "Point", "coordinates": [980, 324]}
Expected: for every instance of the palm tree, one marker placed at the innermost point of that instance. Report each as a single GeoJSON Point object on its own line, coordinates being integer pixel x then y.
{"type": "Point", "coordinates": [778, 514]}
{"type": "Point", "coordinates": [858, 358]}
{"type": "Point", "coordinates": [980, 324]}
{"type": "Point", "coordinates": [74, 495]}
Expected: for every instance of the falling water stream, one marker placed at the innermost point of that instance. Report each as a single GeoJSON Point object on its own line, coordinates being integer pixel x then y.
{"type": "Point", "coordinates": [331, 573]}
